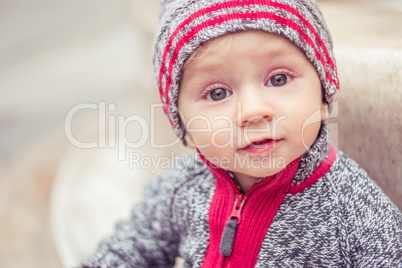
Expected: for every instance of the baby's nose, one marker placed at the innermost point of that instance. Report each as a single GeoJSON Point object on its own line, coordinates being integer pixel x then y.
{"type": "Point", "coordinates": [254, 107]}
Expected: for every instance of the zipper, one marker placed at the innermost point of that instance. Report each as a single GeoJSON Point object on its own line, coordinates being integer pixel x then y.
{"type": "Point", "coordinates": [230, 229]}
{"type": "Point", "coordinates": [240, 200]}
{"type": "Point", "coordinates": [226, 243]}
{"type": "Point", "coordinates": [229, 232]}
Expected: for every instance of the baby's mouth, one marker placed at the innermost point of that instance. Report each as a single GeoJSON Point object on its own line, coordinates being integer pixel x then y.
{"type": "Point", "coordinates": [261, 146]}
{"type": "Point", "coordinates": [259, 143]}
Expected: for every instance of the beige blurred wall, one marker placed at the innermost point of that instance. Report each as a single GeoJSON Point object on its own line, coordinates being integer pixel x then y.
{"type": "Point", "coordinates": [57, 54]}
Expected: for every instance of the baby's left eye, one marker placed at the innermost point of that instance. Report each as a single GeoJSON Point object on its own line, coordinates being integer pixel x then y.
{"type": "Point", "coordinates": [218, 94]}
{"type": "Point", "coordinates": [278, 80]}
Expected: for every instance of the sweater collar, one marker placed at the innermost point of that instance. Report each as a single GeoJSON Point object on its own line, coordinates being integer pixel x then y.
{"type": "Point", "coordinates": [314, 156]}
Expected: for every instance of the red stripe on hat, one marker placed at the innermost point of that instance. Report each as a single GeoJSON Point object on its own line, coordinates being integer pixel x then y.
{"type": "Point", "coordinates": [310, 27]}
{"type": "Point", "coordinates": [229, 5]}
{"type": "Point", "coordinates": [245, 16]}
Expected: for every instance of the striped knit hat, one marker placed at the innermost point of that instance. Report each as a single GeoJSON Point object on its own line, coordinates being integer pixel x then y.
{"type": "Point", "coordinates": [185, 24]}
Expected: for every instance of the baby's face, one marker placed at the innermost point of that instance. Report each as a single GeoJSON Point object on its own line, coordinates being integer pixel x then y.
{"type": "Point", "coordinates": [251, 103]}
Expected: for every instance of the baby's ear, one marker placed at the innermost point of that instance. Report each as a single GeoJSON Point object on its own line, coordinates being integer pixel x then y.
{"type": "Point", "coordinates": [324, 111]}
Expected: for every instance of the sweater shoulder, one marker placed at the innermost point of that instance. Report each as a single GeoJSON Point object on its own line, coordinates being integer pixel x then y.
{"type": "Point", "coordinates": [360, 201]}
{"type": "Point", "coordinates": [368, 220]}
{"type": "Point", "coordinates": [353, 184]}
{"type": "Point", "coordinates": [347, 174]}
{"type": "Point", "coordinates": [182, 173]}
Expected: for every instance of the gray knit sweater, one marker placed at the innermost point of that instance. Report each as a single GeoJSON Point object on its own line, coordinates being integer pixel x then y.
{"type": "Point", "coordinates": [341, 220]}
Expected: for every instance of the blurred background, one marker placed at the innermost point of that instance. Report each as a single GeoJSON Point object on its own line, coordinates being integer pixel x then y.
{"type": "Point", "coordinates": [55, 55]}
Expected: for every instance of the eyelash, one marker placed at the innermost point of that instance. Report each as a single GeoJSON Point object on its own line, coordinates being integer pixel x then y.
{"type": "Point", "coordinates": [211, 88]}
{"type": "Point", "coordinates": [289, 74]}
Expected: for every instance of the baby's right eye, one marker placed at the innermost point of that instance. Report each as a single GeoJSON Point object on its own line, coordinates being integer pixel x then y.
{"type": "Point", "coordinates": [218, 94]}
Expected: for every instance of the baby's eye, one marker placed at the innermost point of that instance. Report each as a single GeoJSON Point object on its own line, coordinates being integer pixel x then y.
{"type": "Point", "coordinates": [278, 80]}
{"type": "Point", "coordinates": [218, 94]}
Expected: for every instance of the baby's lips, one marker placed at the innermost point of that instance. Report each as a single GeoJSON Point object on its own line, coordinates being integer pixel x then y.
{"type": "Point", "coordinates": [263, 144]}
{"type": "Point", "coordinates": [259, 142]}
{"type": "Point", "coordinates": [256, 143]}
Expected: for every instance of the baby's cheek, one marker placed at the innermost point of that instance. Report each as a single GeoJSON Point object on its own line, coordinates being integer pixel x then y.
{"type": "Point", "coordinates": [201, 139]}
{"type": "Point", "coordinates": [224, 133]}
{"type": "Point", "coordinates": [222, 138]}
{"type": "Point", "coordinates": [309, 131]}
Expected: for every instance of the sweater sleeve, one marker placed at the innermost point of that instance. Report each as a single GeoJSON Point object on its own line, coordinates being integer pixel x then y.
{"type": "Point", "coordinates": [147, 239]}
{"type": "Point", "coordinates": [372, 223]}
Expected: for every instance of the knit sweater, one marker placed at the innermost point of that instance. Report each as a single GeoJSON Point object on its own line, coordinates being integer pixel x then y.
{"type": "Point", "coordinates": [328, 214]}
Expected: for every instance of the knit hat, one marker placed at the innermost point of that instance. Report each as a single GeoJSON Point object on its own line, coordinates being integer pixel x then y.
{"type": "Point", "coordinates": [185, 24]}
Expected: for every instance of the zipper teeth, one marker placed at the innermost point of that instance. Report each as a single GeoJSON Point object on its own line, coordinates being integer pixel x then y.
{"type": "Point", "coordinates": [236, 187]}
{"type": "Point", "coordinates": [257, 185]}
{"type": "Point", "coordinates": [231, 180]}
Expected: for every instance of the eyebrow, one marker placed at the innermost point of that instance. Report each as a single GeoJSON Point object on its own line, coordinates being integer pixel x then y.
{"type": "Point", "coordinates": [278, 54]}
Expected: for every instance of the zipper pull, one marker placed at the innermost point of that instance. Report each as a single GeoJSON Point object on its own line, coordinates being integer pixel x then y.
{"type": "Point", "coordinates": [229, 232]}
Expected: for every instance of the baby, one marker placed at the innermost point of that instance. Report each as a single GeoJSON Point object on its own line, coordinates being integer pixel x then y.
{"type": "Point", "coordinates": [248, 85]}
